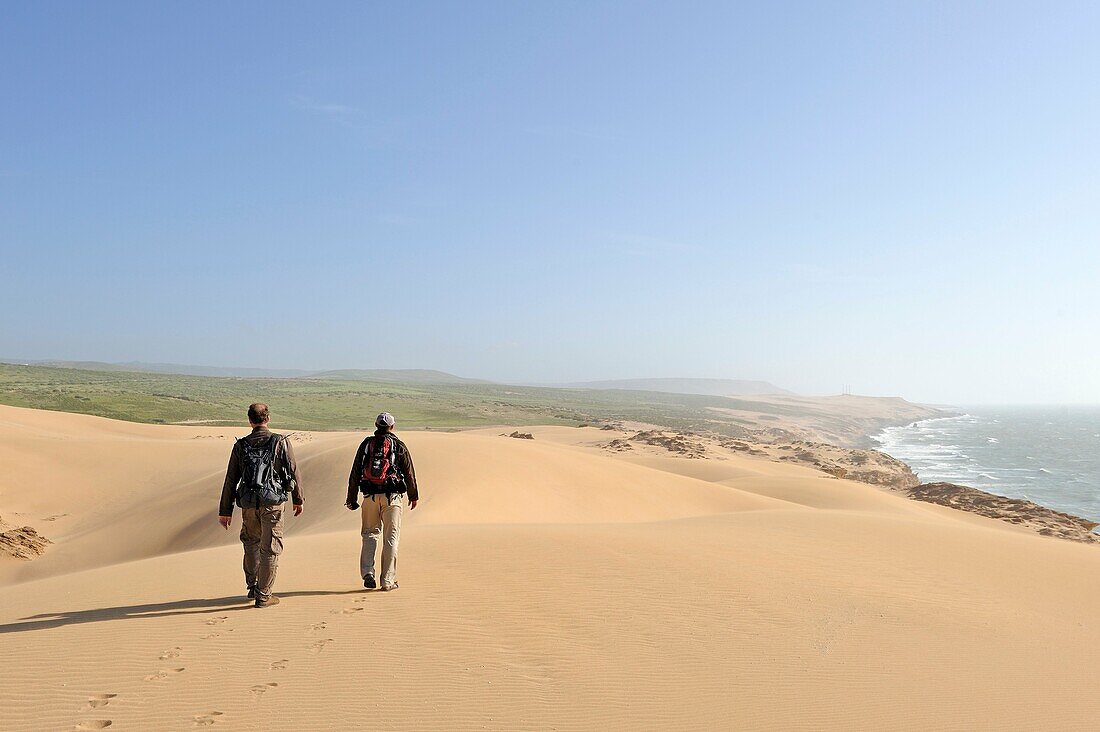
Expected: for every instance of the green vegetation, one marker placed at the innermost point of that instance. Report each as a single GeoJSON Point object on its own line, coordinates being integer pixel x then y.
{"type": "Point", "coordinates": [346, 403]}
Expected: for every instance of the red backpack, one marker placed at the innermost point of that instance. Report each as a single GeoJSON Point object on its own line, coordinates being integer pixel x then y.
{"type": "Point", "coordinates": [378, 463]}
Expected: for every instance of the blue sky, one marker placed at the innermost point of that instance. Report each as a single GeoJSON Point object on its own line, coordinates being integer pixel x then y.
{"type": "Point", "coordinates": [899, 197]}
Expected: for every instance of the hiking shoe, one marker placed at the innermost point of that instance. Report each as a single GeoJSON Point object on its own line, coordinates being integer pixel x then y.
{"type": "Point", "coordinates": [387, 588]}
{"type": "Point", "coordinates": [251, 593]}
{"type": "Point", "coordinates": [369, 582]}
{"type": "Point", "coordinates": [267, 601]}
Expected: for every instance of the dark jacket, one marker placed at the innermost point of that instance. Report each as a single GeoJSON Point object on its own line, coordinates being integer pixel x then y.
{"type": "Point", "coordinates": [402, 461]}
{"type": "Point", "coordinates": [284, 466]}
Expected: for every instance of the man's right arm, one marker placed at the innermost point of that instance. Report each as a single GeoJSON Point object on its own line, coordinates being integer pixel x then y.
{"type": "Point", "coordinates": [229, 488]}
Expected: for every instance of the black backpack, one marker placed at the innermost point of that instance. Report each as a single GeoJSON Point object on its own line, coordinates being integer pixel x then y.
{"type": "Point", "coordinates": [261, 484]}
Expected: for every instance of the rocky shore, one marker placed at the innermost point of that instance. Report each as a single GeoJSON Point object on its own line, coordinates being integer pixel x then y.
{"type": "Point", "coordinates": [1045, 521]}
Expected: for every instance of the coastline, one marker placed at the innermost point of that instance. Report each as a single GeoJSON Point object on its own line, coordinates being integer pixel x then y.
{"type": "Point", "coordinates": [1042, 519]}
{"type": "Point", "coordinates": [870, 466]}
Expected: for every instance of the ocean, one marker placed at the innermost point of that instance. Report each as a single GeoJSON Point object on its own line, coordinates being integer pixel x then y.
{"type": "Point", "coordinates": [1049, 455]}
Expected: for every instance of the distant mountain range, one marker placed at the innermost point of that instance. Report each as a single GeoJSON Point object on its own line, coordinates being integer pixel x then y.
{"type": "Point", "coordinates": [706, 387]}
{"type": "Point", "coordinates": [403, 376]}
{"type": "Point", "coordinates": [165, 368]}
{"type": "Point", "coordinates": [406, 376]}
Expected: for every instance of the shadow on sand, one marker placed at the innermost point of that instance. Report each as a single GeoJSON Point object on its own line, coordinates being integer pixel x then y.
{"type": "Point", "coordinates": [45, 621]}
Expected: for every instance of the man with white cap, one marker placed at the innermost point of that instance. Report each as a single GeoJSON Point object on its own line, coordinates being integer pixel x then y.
{"type": "Point", "coordinates": [383, 473]}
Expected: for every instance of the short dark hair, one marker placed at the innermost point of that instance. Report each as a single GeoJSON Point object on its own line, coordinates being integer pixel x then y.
{"type": "Point", "coordinates": [257, 413]}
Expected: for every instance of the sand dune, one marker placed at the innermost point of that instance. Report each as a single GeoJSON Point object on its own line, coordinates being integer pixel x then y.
{"type": "Point", "coordinates": [545, 585]}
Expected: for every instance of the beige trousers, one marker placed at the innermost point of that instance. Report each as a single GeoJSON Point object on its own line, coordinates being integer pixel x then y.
{"type": "Point", "coordinates": [381, 518]}
{"type": "Point", "coordinates": [262, 536]}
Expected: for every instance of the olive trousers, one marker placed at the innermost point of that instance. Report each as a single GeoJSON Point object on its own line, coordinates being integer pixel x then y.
{"type": "Point", "coordinates": [262, 536]}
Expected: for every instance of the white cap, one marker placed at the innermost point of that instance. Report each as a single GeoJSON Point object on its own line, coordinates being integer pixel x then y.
{"type": "Point", "coordinates": [385, 420]}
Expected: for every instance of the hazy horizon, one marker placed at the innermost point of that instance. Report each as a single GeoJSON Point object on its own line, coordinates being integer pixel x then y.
{"type": "Point", "coordinates": [518, 382]}
{"type": "Point", "coordinates": [899, 200]}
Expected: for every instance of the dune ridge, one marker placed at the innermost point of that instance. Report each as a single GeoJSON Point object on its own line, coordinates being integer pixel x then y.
{"type": "Point", "coordinates": [545, 584]}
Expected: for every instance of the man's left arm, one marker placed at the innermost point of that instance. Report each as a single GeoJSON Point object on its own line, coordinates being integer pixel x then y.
{"type": "Point", "coordinates": [293, 476]}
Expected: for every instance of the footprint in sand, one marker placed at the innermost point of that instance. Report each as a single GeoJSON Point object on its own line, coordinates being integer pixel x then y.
{"type": "Point", "coordinates": [350, 610]}
{"type": "Point", "coordinates": [318, 626]}
{"type": "Point", "coordinates": [280, 665]}
{"type": "Point", "coordinates": [162, 674]}
{"type": "Point", "coordinates": [217, 620]}
{"type": "Point", "coordinates": [95, 701]}
{"type": "Point", "coordinates": [95, 724]}
{"type": "Point", "coordinates": [261, 689]}
{"type": "Point", "coordinates": [319, 646]}
{"type": "Point", "coordinates": [171, 653]}
{"type": "Point", "coordinates": [211, 635]}
{"type": "Point", "coordinates": [205, 720]}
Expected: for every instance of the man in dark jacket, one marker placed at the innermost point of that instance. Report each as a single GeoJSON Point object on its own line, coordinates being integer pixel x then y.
{"type": "Point", "coordinates": [261, 473]}
{"type": "Point", "coordinates": [383, 473]}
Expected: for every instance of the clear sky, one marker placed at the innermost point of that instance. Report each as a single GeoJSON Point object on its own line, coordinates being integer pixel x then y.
{"type": "Point", "coordinates": [899, 197]}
